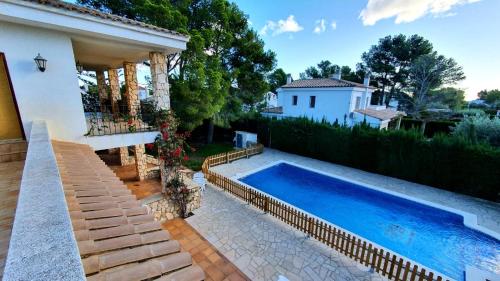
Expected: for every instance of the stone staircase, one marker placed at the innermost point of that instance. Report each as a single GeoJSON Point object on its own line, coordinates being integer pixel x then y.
{"type": "Point", "coordinates": [13, 150]}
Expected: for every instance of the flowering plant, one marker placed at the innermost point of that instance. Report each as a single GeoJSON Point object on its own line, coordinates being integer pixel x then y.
{"type": "Point", "coordinates": [171, 151]}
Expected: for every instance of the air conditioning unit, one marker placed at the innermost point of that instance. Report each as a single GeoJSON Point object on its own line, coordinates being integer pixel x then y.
{"type": "Point", "coordinates": [244, 139]}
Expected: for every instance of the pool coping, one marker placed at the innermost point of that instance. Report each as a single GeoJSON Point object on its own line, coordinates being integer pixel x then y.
{"type": "Point", "coordinates": [470, 220]}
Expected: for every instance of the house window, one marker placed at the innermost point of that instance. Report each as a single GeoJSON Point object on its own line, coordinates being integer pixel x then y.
{"type": "Point", "coordinates": [312, 101]}
{"type": "Point", "coordinates": [367, 102]}
{"type": "Point", "coordinates": [294, 101]}
{"type": "Point", "coordinates": [358, 102]}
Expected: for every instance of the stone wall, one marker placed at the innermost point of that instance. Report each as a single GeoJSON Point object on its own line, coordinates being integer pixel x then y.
{"type": "Point", "coordinates": [164, 209]}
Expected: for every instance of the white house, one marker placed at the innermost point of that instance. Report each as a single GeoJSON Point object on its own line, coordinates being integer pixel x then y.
{"type": "Point", "coordinates": [331, 99]}
{"type": "Point", "coordinates": [63, 37]}
{"type": "Point", "coordinates": [270, 100]}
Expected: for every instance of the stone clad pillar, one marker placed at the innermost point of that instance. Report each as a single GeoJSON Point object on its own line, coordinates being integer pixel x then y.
{"type": "Point", "coordinates": [140, 161]}
{"type": "Point", "coordinates": [101, 89]}
{"type": "Point", "coordinates": [114, 86]}
{"type": "Point", "coordinates": [159, 79]}
{"type": "Point", "coordinates": [124, 156]}
{"type": "Point", "coordinates": [132, 91]}
{"type": "Point", "coordinates": [133, 103]}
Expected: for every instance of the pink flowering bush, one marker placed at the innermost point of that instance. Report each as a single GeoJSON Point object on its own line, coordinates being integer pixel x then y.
{"type": "Point", "coordinates": [172, 152]}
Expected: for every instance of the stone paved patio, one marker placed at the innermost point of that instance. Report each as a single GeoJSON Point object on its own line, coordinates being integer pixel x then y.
{"type": "Point", "coordinates": [265, 248]}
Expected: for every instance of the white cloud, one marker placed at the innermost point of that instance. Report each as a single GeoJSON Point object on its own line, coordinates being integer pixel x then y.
{"type": "Point", "coordinates": [320, 26]}
{"type": "Point", "coordinates": [333, 25]}
{"type": "Point", "coordinates": [282, 26]}
{"type": "Point", "coordinates": [406, 11]}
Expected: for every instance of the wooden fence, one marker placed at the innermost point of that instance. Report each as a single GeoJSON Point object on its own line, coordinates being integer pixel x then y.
{"type": "Point", "coordinates": [387, 264]}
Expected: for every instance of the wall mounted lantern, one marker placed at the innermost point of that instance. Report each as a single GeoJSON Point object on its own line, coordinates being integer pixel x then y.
{"type": "Point", "coordinates": [41, 63]}
{"type": "Point", "coordinates": [79, 67]}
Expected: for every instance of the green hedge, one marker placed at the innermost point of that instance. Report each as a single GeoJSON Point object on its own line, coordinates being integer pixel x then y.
{"type": "Point", "coordinates": [444, 161]}
{"type": "Point", "coordinates": [431, 128]}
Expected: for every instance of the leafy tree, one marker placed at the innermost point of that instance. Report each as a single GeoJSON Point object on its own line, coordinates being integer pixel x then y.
{"type": "Point", "coordinates": [491, 97]}
{"type": "Point", "coordinates": [225, 64]}
{"type": "Point", "coordinates": [429, 72]}
{"type": "Point", "coordinates": [390, 61]}
{"type": "Point", "coordinates": [276, 79]}
{"type": "Point", "coordinates": [325, 69]}
{"type": "Point", "coordinates": [449, 97]}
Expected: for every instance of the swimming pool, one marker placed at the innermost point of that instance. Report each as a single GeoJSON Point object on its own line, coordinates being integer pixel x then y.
{"type": "Point", "coordinates": [433, 237]}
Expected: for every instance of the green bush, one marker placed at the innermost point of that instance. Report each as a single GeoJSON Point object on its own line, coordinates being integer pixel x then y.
{"type": "Point", "coordinates": [431, 128]}
{"type": "Point", "coordinates": [479, 128]}
{"type": "Point", "coordinates": [444, 161]}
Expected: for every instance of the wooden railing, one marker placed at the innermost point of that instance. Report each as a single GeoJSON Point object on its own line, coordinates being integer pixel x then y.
{"type": "Point", "coordinates": [380, 260]}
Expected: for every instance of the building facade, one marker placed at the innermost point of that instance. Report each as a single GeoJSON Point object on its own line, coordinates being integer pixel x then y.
{"type": "Point", "coordinates": [330, 99]}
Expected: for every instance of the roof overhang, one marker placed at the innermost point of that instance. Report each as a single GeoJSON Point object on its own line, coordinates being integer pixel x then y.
{"type": "Point", "coordinates": [382, 115]}
{"type": "Point", "coordinates": [357, 89]}
{"type": "Point", "coordinates": [98, 42]}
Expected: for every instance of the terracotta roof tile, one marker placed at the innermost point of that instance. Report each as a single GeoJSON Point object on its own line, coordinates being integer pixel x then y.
{"type": "Point", "coordinates": [323, 83]}
{"type": "Point", "coordinates": [84, 10]}
{"type": "Point", "coordinates": [383, 114]}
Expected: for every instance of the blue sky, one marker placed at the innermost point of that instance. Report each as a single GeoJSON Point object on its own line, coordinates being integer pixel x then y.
{"type": "Point", "coordinates": [467, 30]}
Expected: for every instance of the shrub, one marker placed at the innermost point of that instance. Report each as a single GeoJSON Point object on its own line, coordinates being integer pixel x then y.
{"type": "Point", "coordinates": [479, 128]}
{"type": "Point", "coordinates": [431, 128]}
{"type": "Point", "coordinates": [446, 162]}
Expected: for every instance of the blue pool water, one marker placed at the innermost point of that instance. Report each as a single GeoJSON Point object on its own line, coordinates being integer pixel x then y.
{"type": "Point", "coordinates": [433, 237]}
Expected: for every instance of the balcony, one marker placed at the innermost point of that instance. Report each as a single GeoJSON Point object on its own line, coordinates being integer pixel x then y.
{"type": "Point", "coordinates": [103, 120]}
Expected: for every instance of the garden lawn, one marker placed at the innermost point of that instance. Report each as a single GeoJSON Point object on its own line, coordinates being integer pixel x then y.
{"type": "Point", "coordinates": [201, 152]}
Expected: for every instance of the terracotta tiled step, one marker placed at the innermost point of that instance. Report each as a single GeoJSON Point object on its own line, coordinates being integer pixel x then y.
{"type": "Point", "coordinates": [79, 224]}
{"type": "Point", "coordinates": [117, 231]}
{"type": "Point", "coordinates": [117, 238]}
{"type": "Point", "coordinates": [75, 206]}
{"type": "Point", "coordinates": [100, 199]}
{"type": "Point", "coordinates": [115, 212]}
{"type": "Point", "coordinates": [93, 247]}
{"type": "Point", "coordinates": [191, 273]}
{"type": "Point", "coordinates": [98, 263]}
{"type": "Point", "coordinates": [95, 186]}
{"type": "Point", "coordinates": [10, 179]}
{"type": "Point", "coordinates": [145, 270]}
{"type": "Point", "coordinates": [102, 192]}
{"type": "Point", "coordinates": [14, 150]}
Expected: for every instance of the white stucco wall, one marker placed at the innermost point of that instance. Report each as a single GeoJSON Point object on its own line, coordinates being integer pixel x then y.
{"type": "Point", "coordinates": [373, 122]}
{"type": "Point", "coordinates": [331, 104]}
{"type": "Point", "coordinates": [53, 95]}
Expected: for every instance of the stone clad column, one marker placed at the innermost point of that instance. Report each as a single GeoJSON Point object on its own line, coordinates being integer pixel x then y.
{"type": "Point", "coordinates": [101, 89]}
{"type": "Point", "coordinates": [140, 161]}
{"type": "Point", "coordinates": [124, 156]}
{"type": "Point", "coordinates": [132, 91]}
{"type": "Point", "coordinates": [159, 79]}
{"type": "Point", "coordinates": [114, 86]}
{"type": "Point", "coordinates": [161, 95]}
{"type": "Point", "coordinates": [133, 103]}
